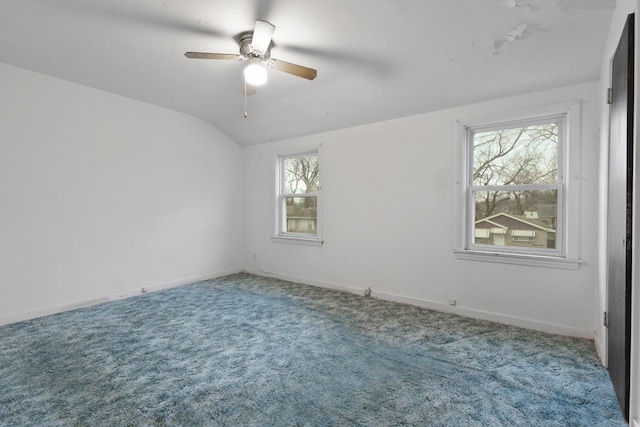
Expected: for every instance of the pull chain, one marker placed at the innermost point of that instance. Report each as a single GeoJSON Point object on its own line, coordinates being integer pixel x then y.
{"type": "Point", "coordinates": [245, 99]}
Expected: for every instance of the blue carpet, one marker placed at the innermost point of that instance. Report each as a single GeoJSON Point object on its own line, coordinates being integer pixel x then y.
{"type": "Point", "coordinates": [249, 351]}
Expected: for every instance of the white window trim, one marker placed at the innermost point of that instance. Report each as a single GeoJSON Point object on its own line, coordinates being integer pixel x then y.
{"type": "Point", "coordinates": [282, 236]}
{"type": "Point", "coordinates": [568, 256]}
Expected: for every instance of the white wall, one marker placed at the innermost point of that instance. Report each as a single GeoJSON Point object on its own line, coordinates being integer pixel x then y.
{"type": "Point", "coordinates": [102, 195]}
{"type": "Point", "coordinates": [389, 221]}
{"type": "Point", "coordinates": [623, 9]}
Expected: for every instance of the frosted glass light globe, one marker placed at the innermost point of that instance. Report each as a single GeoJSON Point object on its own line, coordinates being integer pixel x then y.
{"type": "Point", "coordinates": [255, 74]}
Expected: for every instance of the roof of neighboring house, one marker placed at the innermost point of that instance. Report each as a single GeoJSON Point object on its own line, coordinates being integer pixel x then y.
{"type": "Point", "coordinates": [512, 222]}
{"type": "Point", "coordinates": [544, 209]}
{"type": "Point", "coordinates": [485, 223]}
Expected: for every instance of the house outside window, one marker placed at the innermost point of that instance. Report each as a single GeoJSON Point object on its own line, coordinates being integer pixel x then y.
{"type": "Point", "coordinates": [298, 198]}
{"type": "Point", "coordinates": [518, 185]}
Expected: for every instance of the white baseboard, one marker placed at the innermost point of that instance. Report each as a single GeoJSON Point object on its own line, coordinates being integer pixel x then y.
{"type": "Point", "coordinates": [111, 297]}
{"type": "Point", "coordinates": [439, 306]}
{"type": "Point", "coordinates": [306, 281]}
{"type": "Point", "coordinates": [431, 305]}
{"type": "Point", "coordinates": [484, 315]}
{"type": "Point", "coordinates": [601, 349]}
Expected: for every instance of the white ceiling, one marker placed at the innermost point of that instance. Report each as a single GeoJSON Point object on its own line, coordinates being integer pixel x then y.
{"type": "Point", "coordinates": [376, 59]}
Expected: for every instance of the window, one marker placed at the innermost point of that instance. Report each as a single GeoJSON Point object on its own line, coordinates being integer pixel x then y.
{"type": "Point", "coordinates": [515, 183]}
{"type": "Point", "coordinates": [298, 199]}
{"type": "Point", "coordinates": [515, 199]}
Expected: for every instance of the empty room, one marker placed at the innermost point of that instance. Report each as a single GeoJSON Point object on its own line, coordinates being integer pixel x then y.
{"type": "Point", "coordinates": [278, 213]}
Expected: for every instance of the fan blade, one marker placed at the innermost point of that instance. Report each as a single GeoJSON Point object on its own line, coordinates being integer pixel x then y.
{"type": "Point", "coordinates": [296, 70]}
{"type": "Point", "coordinates": [262, 34]}
{"type": "Point", "coordinates": [205, 55]}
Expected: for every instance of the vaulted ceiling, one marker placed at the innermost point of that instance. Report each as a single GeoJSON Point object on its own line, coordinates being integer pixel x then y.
{"type": "Point", "coordinates": [376, 59]}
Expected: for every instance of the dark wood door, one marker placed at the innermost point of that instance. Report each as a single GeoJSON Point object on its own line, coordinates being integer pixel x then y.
{"type": "Point", "coordinates": [620, 216]}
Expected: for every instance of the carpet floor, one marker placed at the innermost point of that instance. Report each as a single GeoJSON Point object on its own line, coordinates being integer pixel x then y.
{"type": "Point", "coordinates": [249, 351]}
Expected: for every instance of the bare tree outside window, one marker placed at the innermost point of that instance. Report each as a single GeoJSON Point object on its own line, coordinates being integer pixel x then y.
{"type": "Point", "coordinates": [301, 174]}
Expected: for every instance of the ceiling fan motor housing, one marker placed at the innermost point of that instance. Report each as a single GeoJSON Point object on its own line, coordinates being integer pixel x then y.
{"type": "Point", "coordinates": [247, 51]}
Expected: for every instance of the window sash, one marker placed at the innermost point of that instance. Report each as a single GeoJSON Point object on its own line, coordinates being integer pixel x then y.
{"type": "Point", "coordinates": [559, 247]}
{"type": "Point", "coordinates": [285, 217]}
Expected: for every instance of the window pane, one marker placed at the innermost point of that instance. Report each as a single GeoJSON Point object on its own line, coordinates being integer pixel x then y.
{"type": "Point", "coordinates": [516, 218]}
{"type": "Point", "coordinates": [520, 155]}
{"type": "Point", "coordinates": [301, 174]}
{"type": "Point", "coordinates": [302, 215]}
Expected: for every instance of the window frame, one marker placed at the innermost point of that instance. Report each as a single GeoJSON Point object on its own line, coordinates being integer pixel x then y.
{"type": "Point", "coordinates": [281, 235]}
{"type": "Point", "coordinates": [565, 255]}
{"type": "Point", "coordinates": [558, 186]}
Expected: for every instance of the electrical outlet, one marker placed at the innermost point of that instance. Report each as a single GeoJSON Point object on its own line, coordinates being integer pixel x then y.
{"type": "Point", "coordinates": [367, 292]}
{"type": "Point", "coordinates": [452, 302]}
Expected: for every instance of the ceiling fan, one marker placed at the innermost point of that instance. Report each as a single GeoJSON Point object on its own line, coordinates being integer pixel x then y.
{"type": "Point", "coordinates": [255, 47]}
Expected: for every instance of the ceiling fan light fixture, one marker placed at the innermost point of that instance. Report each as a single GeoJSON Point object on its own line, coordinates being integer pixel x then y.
{"type": "Point", "coordinates": [255, 74]}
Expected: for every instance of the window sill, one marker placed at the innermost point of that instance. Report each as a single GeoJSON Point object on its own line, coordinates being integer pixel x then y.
{"type": "Point", "coordinates": [297, 241]}
{"type": "Point", "coordinates": [520, 259]}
